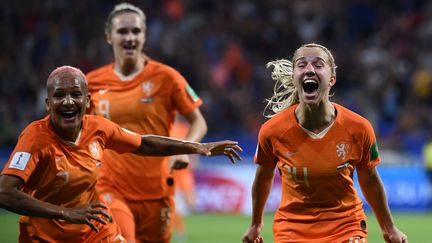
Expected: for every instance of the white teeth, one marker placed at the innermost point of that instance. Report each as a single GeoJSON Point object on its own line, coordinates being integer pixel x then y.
{"type": "Point", "coordinates": [310, 81]}
{"type": "Point", "coordinates": [68, 113]}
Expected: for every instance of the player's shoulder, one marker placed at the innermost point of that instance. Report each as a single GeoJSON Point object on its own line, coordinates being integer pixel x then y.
{"type": "Point", "coordinates": [38, 134]}
{"type": "Point", "coordinates": [279, 123]}
{"type": "Point", "coordinates": [94, 122]}
{"type": "Point", "coordinates": [351, 118]}
{"type": "Point", "coordinates": [99, 72]}
{"type": "Point", "coordinates": [164, 69]}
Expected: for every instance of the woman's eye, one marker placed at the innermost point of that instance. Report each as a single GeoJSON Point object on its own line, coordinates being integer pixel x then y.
{"type": "Point", "coordinates": [76, 94]}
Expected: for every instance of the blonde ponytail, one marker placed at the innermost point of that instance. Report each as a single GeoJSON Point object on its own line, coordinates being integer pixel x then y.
{"type": "Point", "coordinates": [284, 92]}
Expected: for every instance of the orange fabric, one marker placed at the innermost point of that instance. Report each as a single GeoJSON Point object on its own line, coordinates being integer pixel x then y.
{"type": "Point", "coordinates": [122, 214]}
{"type": "Point", "coordinates": [318, 198]}
{"type": "Point", "coordinates": [63, 173]}
{"type": "Point", "coordinates": [146, 105]}
{"type": "Point", "coordinates": [109, 233]}
{"type": "Point", "coordinates": [142, 221]}
{"type": "Point", "coordinates": [153, 219]}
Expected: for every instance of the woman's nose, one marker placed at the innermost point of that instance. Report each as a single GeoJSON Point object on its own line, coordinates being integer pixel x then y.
{"type": "Point", "coordinates": [129, 36]}
{"type": "Point", "coordinates": [309, 70]}
{"type": "Point", "coordinates": [68, 100]}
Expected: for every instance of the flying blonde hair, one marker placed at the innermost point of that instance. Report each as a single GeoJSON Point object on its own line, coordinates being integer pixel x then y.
{"type": "Point", "coordinates": [284, 92]}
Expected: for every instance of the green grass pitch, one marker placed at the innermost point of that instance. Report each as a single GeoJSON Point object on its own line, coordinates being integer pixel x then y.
{"type": "Point", "coordinates": [227, 228]}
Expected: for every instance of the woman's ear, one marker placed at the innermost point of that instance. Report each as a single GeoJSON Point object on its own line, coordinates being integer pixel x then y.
{"type": "Point", "coordinates": [47, 107]}
{"type": "Point", "coordinates": [108, 39]}
{"type": "Point", "coordinates": [332, 81]}
{"type": "Point", "coordinates": [88, 101]}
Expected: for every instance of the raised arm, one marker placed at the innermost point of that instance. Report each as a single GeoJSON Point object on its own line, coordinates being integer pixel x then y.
{"type": "Point", "coordinates": [198, 126]}
{"type": "Point", "coordinates": [196, 132]}
{"type": "Point", "coordinates": [260, 191]}
{"type": "Point", "coordinates": [14, 200]}
{"type": "Point", "coordinates": [373, 190]}
{"type": "Point", "coordinates": [153, 145]}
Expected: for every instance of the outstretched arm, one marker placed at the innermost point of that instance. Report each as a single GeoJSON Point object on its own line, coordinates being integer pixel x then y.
{"type": "Point", "coordinates": [153, 145]}
{"type": "Point", "coordinates": [12, 199]}
{"type": "Point", "coordinates": [260, 191]}
{"type": "Point", "coordinates": [374, 193]}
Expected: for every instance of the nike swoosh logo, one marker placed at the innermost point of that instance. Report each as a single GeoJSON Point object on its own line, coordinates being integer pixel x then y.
{"type": "Point", "coordinates": [103, 91]}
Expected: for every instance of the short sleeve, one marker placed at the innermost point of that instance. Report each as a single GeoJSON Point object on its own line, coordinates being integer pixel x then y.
{"type": "Point", "coordinates": [264, 152]}
{"type": "Point", "coordinates": [122, 140]}
{"type": "Point", "coordinates": [370, 156]}
{"type": "Point", "coordinates": [25, 156]}
{"type": "Point", "coordinates": [184, 97]}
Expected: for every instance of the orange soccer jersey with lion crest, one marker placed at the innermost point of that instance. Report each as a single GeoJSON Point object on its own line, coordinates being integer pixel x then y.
{"type": "Point", "coordinates": [318, 196]}
{"type": "Point", "coordinates": [146, 104]}
{"type": "Point", "coordinates": [65, 174]}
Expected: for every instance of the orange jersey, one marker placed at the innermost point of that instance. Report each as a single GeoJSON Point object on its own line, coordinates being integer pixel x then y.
{"type": "Point", "coordinates": [318, 196]}
{"type": "Point", "coordinates": [64, 173]}
{"type": "Point", "coordinates": [147, 104]}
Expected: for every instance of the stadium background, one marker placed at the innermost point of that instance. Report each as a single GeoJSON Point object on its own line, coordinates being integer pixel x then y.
{"type": "Point", "coordinates": [382, 49]}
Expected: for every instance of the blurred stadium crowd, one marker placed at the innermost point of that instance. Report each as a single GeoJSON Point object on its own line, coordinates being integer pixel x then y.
{"type": "Point", "coordinates": [382, 49]}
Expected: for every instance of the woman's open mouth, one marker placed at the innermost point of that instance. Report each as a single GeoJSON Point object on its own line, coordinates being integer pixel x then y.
{"type": "Point", "coordinates": [310, 88]}
{"type": "Point", "coordinates": [69, 116]}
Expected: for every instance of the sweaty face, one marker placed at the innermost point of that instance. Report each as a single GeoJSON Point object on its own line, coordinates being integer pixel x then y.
{"type": "Point", "coordinates": [312, 75]}
{"type": "Point", "coordinates": [127, 36]}
{"type": "Point", "coordinates": [66, 102]}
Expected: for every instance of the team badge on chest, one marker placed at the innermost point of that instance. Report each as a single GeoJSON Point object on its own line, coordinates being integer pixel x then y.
{"type": "Point", "coordinates": [342, 150]}
{"type": "Point", "coordinates": [95, 150]}
{"type": "Point", "coordinates": [147, 89]}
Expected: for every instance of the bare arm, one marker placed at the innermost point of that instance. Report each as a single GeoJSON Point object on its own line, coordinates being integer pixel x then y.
{"type": "Point", "coordinates": [197, 130]}
{"type": "Point", "coordinates": [373, 190]}
{"type": "Point", "coordinates": [198, 126]}
{"type": "Point", "coordinates": [14, 200]}
{"type": "Point", "coordinates": [260, 191]}
{"type": "Point", "coordinates": [153, 145]}
{"type": "Point", "coordinates": [19, 202]}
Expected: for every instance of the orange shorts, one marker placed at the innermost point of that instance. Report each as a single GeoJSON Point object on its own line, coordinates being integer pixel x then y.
{"type": "Point", "coordinates": [110, 233]}
{"type": "Point", "coordinates": [142, 221]}
{"type": "Point", "coordinates": [354, 231]}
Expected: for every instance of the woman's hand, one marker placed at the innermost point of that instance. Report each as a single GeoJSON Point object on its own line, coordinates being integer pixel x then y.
{"type": "Point", "coordinates": [85, 214]}
{"type": "Point", "coordinates": [253, 235]}
{"type": "Point", "coordinates": [227, 148]}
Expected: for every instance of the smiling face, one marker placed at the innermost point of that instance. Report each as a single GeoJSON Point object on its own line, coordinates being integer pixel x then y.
{"type": "Point", "coordinates": [67, 100]}
{"type": "Point", "coordinates": [313, 74]}
{"type": "Point", "coordinates": [127, 36]}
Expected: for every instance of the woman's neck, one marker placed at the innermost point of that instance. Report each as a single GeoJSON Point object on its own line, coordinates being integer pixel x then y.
{"type": "Point", "coordinates": [315, 118]}
{"type": "Point", "coordinates": [68, 135]}
{"type": "Point", "coordinates": [128, 70]}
